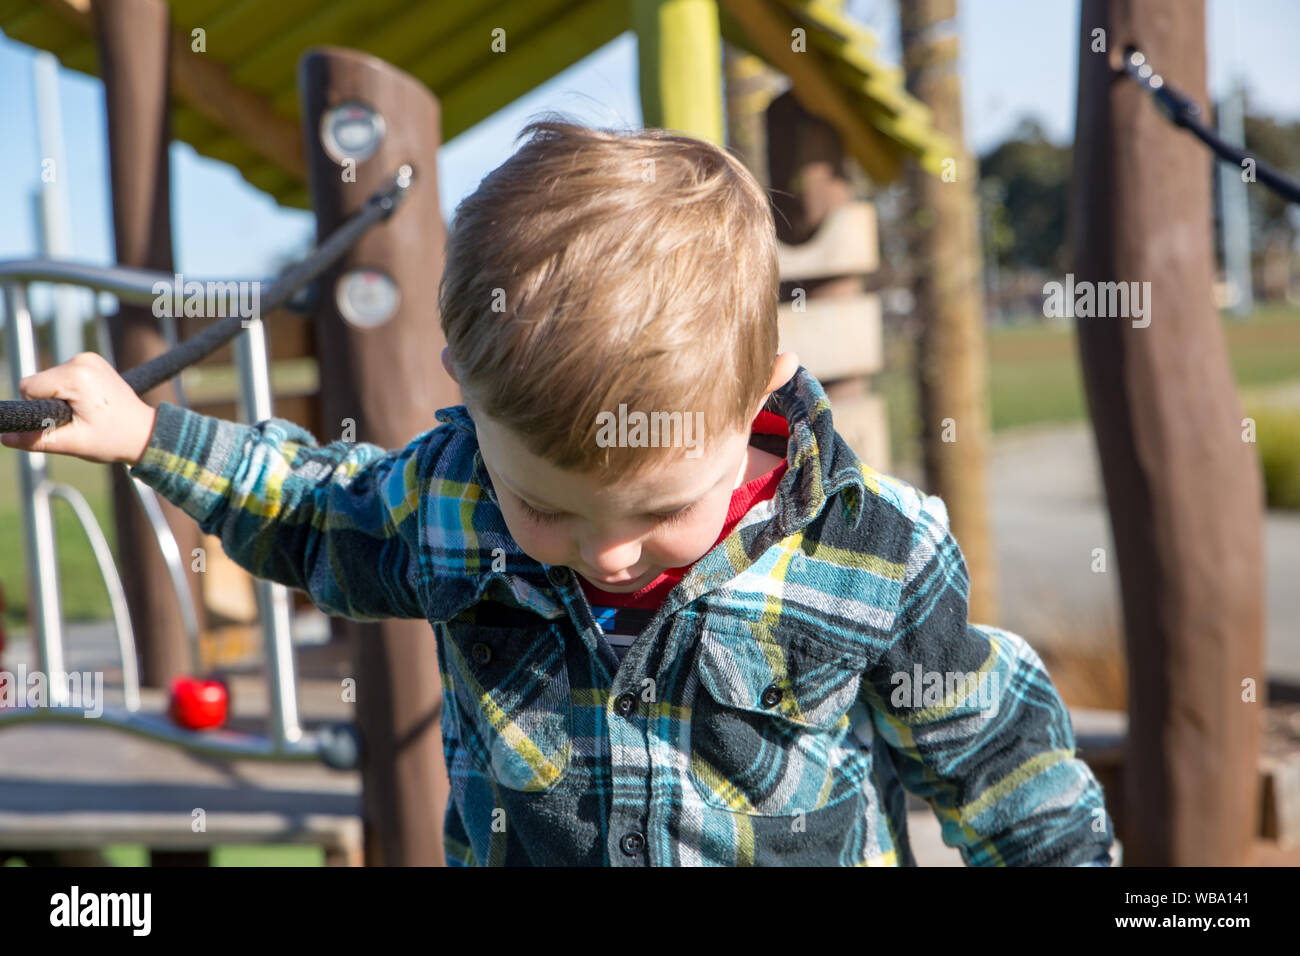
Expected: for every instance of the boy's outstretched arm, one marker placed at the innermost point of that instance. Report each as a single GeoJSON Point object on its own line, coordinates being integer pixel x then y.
{"type": "Point", "coordinates": [993, 753]}
{"type": "Point", "coordinates": [338, 521]}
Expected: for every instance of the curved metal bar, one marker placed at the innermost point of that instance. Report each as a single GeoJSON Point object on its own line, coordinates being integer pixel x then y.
{"type": "Point", "coordinates": [38, 524]}
{"type": "Point", "coordinates": [112, 583]}
{"type": "Point", "coordinates": [171, 553]}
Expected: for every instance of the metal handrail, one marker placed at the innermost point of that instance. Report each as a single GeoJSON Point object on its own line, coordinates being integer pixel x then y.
{"type": "Point", "coordinates": [171, 554]}
{"type": "Point", "coordinates": [131, 286]}
{"type": "Point", "coordinates": [112, 583]}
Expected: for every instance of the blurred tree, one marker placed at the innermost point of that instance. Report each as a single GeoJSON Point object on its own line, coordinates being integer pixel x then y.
{"type": "Point", "coordinates": [1034, 176]}
{"type": "Point", "coordinates": [1278, 144]}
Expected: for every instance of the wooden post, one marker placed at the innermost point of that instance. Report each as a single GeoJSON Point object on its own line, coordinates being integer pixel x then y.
{"type": "Point", "coordinates": [951, 353]}
{"type": "Point", "coordinates": [679, 52]}
{"type": "Point", "coordinates": [134, 43]}
{"type": "Point", "coordinates": [134, 48]}
{"type": "Point", "coordinates": [1182, 485]}
{"type": "Point", "coordinates": [388, 379]}
{"type": "Point", "coordinates": [751, 86]}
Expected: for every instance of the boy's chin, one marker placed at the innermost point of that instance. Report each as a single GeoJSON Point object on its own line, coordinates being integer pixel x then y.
{"type": "Point", "coordinates": [621, 587]}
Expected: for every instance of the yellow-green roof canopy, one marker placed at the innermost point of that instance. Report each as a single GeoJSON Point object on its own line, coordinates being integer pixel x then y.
{"type": "Point", "coordinates": [238, 102]}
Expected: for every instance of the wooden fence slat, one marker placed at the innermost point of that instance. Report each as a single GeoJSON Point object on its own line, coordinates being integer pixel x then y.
{"type": "Point", "coordinates": [845, 244]}
{"type": "Point", "coordinates": [834, 337]}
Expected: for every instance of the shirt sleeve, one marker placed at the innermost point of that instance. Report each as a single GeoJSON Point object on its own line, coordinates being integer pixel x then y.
{"type": "Point", "coordinates": [975, 725]}
{"type": "Point", "coordinates": [338, 521]}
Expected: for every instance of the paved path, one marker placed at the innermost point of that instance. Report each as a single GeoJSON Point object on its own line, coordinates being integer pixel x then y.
{"type": "Point", "coordinates": [1049, 514]}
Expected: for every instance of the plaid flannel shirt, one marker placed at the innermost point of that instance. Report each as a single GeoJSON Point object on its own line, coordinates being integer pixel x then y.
{"type": "Point", "coordinates": [772, 712]}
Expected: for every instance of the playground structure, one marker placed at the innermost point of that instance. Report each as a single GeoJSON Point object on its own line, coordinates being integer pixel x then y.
{"type": "Point", "coordinates": [370, 109]}
{"type": "Point", "coordinates": [286, 739]}
{"type": "Point", "coordinates": [357, 112]}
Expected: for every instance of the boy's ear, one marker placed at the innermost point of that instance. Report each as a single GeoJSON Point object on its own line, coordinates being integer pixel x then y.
{"type": "Point", "coordinates": [787, 363]}
{"type": "Point", "coordinates": [446, 364]}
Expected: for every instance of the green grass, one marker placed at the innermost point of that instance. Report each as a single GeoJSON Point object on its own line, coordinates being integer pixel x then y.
{"type": "Point", "coordinates": [135, 854]}
{"type": "Point", "coordinates": [1277, 435]}
{"type": "Point", "coordinates": [82, 590]}
{"type": "Point", "coordinates": [1034, 376]}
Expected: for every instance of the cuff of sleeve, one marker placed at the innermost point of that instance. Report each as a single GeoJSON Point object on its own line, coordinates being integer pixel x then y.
{"type": "Point", "coordinates": [184, 446]}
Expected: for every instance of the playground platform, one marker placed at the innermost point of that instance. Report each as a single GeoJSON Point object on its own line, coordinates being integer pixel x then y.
{"type": "Point", "coordinates": [71, 788]}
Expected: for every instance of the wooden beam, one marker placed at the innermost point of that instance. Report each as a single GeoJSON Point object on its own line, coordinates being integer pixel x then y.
{"type": "Point", "coordinates": [207, 87]}
{"type": "Point", "coordinates": [834, 337]}
{"type": "Point", "coordinates": [844, 244]}
{"type": "Point", "coordinates": [679, 50]}
{"type": "Point", "coordinates": [769, 29]}
{"type": "Point", "coordinates": [533, 61]}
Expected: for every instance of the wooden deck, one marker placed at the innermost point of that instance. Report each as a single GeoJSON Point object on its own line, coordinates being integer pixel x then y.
{"type": "Point", "coordinates": [72, 787]}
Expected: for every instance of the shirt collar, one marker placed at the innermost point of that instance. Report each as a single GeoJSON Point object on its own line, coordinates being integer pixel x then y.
{"type": "Point", "coordinates": [821, 464]}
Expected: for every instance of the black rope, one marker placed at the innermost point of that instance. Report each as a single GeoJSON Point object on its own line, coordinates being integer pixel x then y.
{"type": "Point", "coordinates": [1182, 111]}
{"type": "Point", "coordinates": [33, 415]}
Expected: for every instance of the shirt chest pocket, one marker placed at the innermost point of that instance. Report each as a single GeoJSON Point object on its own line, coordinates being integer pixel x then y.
{"type": "Point", "coordinates": [511, 686]}
{"type": "Point", "coordinates": [769, 725]}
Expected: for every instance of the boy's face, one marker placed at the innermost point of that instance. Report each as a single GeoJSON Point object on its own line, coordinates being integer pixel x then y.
{"type": "Point", "coordinates": [620, 536]}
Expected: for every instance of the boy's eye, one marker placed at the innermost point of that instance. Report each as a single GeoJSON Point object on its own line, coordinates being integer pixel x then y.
{"type": "Point", "coordinates": [677, 515]}
{"type": "Point", "coordinates": [552, 517]}
{"type": "Point", "coordinates": [541, 517]}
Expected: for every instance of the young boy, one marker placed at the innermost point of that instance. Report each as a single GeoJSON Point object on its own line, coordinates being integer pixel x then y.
{"type": "Point", "coordinates": [678, 620]}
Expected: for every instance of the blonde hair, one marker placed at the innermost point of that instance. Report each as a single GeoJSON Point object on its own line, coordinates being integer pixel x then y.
{"type": "Point", "coordinates": [596, 268]}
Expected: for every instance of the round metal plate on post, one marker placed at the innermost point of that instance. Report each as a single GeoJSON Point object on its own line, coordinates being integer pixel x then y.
{"type": "Point", "coordinates": [366, 297]}
{"type": "Point", "coordinates": [351, 131]}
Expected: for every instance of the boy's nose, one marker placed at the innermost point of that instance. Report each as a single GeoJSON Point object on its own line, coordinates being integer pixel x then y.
{"type": "Point", "coordinates": [609, 557]}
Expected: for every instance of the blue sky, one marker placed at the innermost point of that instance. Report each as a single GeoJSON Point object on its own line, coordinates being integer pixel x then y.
{"type": "Point", "coordinates": [1018, 59]}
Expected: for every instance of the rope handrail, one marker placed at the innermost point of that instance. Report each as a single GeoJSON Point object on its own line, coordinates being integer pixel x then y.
{"type": "Point", "coordinates": [136, 286]}
{"type": "Point", "coordinates": [1182, 111]}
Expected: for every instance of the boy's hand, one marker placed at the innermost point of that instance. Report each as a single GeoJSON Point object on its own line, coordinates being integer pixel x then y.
{"type": "Point", "coordinates": [110, 423]}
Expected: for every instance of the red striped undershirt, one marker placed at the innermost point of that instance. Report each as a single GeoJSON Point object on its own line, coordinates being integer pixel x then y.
{"type": "Point", "coordinates": [620, 614]}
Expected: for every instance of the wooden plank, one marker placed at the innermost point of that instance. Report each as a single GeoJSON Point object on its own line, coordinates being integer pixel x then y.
{"type": "Point", "coordinates": [862, 422]}
{"type": "Point", "coordinates": [1280, 820]}
{"type": "Point", "coordinates": [80, 786]}
{"type": "Point", "coordinates": [834, 338]}
{"type": "Point", "coordinates": [845, 244]}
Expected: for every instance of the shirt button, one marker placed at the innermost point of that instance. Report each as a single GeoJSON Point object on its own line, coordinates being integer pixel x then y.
{"type": "Point", "coordinates": [772, 695]}
{"type": "Point", "coordinates": [632, 843]}
{"type": "Point", "coordinates": [559, 576]}
{"type": "Point", "coordinates": [481, 652]}
{"type": "Point", "coordinates": [626, 704]}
